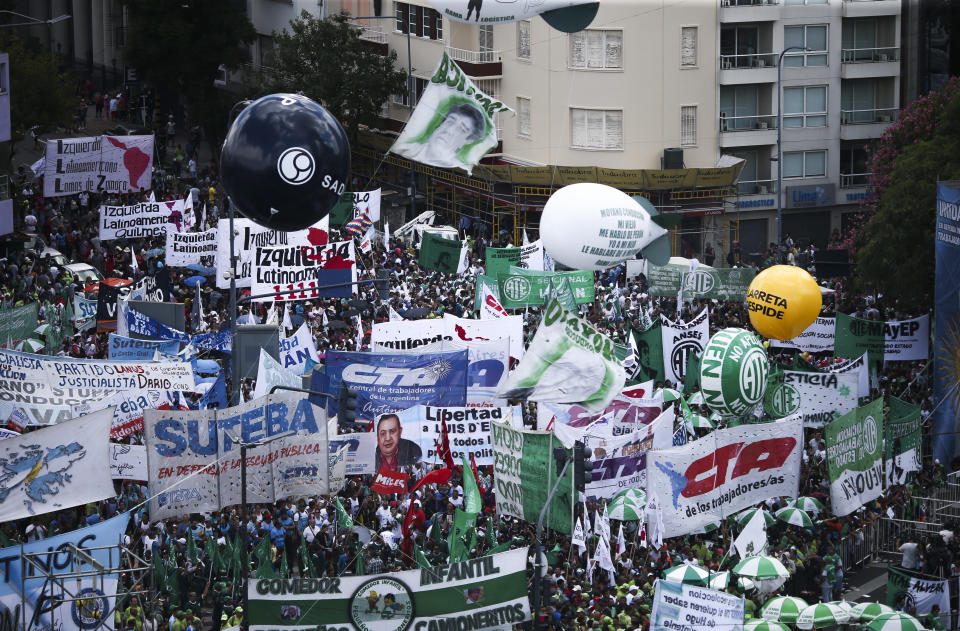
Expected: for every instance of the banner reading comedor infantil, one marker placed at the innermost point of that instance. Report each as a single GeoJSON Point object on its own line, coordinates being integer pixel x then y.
{"type": "Point", "coordinates": [485, 593]}
{"type": "Point", "coordinates": [855, 457]}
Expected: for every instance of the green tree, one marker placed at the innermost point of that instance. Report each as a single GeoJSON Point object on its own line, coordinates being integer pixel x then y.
{"type": "Point", "coordinates": [894, 236]}
{"type": "Point", "coordinates": [179, 45]}
{"type": "Point", "coordinates": [328, 62]}
{"type": "Point", "coordinates": [39, 94]}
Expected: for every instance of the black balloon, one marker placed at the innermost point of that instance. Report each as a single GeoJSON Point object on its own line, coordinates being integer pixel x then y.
{"type": "Point", "coordinates": [285, 162]}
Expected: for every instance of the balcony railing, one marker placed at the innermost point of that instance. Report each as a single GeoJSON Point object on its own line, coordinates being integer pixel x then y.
{"type": "Point", "coordinates": [757, 187]}
{"type": "Point", "coordinates": [869, 55]}
{"type": "Point", "coordinates": [372, 35]}
{"type": "Point", "coordinates": [748, 123]}
{"type": "Point", "coordinates": [752, 60]}
{"type": "Point", "coordinates": [748, 3]}
{"type": "Point", "coordinates": [854, 180]}
{"type": "Point", "coordinates": [864, 117]}
{"type": "Point", "coordinates": [475, 56]}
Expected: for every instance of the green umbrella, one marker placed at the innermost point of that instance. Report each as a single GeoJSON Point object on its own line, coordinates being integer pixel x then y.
{"type": "Point", "coordinates": [667, 395]}
{"type": "Point", "coordinates": [819, 616]}
{"type": "Point", "coordinates": [43, 329]}
{"type": "Point", "coordinates": [865, 612]}
{"type": "Point", "coordinates": [794, 517]}
{"type": "Point", "coordinates": [699, 421]}
{"type": "Point", "coordinates": [783, 608]}
{"type": "Point", "coordinates": [764, 625]}
{"type": "Point", "coordinates": [706, 528]}
{"type": "Point", "coordinates": [719, 580]}
{"type": "Point", "coordinates": [689, 574]}
{"type": "Point", "coordinates": [31, 345]}
{"type": "Point", "coordinates": [696, 398]}
{"type": "Point", "coordinates": [745, 584]}
{"type": "Point", "coordinates": [896, 621]}
{"type": "Point", "coordinates": [628, 505]}
{"type": "Point", "coordinates": [806, 503]}
{"type": "Point", "coordinates": [761, 567]}
{"type": "Point", "coordinates": [743, 517]}
{"type": "Point", "coordinates": [846, 609]}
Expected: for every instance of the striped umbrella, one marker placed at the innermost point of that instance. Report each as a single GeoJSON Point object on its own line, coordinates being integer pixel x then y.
{"type": "Point", "coordinates": [746, 584]}
{"type": "Point", "coordinates": [845, 608]}
{"type": "Point", "coordinates": [628, 505]}
{"type": "Point", "coordinates": [819, 616]}
{"type": "Point", "coordinates": [43, 329]}
{"type": "Point", "coordinates": [706, 528]}
{"type": "Point", "coordinates": [743, 517]}
{"type": "Point", "coordinates": [896, 621]}
{"type": "Point", "coordinates": [667, 395]}
{"type": "Point", "coordinates": [783, 608]}
{"type": "Point", "coordinates": [794, 517]}
{"type": "Point", "coordinates": [699, 421]}
{"type": "Point", "coordinates": [865, 612]}
{"type": "Point", "coordinates": [689, 574]}
{"type": "Point", "coordinates": [31, 345]}
{"type": "Point", "coordinates": [758, 624]}
{"type": "Point", "coordinates": [719, 580]}
{"type": "Point", "coordinates": [696, 398]}
{"type": "Point", "coordinates": [761, 567]}
{"type": "Point", "coordinates": [806, 503]}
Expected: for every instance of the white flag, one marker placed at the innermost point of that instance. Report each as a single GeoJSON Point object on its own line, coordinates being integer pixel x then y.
{"type": "Point", "coordinates": [578, 539]}
{"type": "Point", "coordinates": [653, 509]}
{"type": "Point", "coordinates": [603, 524]}
{"type": "Point", "coordinates": [643, 534]}
{"type": "Point", "coordinates": [287, 323]}
{"type": "Point", "coordinates": [153, 198]}
{"type": "Point", "coordinates": [602, 555]}
{"type": "Point", "coordinates": [490, 307]}
{"type": "Point", "coordinates": [464, 258]}
{"type": "Point", "coordinates": [366, 244]}
{"type": "Point", "coordinates": [753, 538]}
{"type": "Point", "coordinates": [621, 544]}
{"type": "Point", "coordinates": [272, 315]}
{"type": "Point", "coordinates": [133, 261]}
{"type": "Point", "coordinates": [526, 239]}
{"type": "Point", "coordinates": [203, 217]}
{"type": "Point", "coordinates": [359, 333]}
{"type": "Point", "coordinates": [386, 235]}
{"type": "Point", "coordinates": [394, 316]}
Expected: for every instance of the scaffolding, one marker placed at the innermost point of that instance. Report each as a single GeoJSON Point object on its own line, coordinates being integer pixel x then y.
{"type": "Point", "coordinates": [701, 198]}
{"type": "Point", "coordinates": [79, 588]}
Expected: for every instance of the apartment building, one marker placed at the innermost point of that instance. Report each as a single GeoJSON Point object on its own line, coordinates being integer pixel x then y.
{"type": "Point", "coordinates": [840, 80]}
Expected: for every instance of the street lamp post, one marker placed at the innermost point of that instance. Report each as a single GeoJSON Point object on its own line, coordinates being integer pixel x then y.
{"type": "Point", "coordinates": [232, 316]}
{"type": "Point", "coordinates": [410, 93]}
{"type": "Point", "coordinates": [780, 151]}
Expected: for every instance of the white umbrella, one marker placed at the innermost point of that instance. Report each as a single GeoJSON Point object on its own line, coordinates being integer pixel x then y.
{"type": "Point", "coordinates": [865, 612]}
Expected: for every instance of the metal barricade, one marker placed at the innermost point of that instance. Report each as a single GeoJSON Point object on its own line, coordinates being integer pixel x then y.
{"type": "Point", "coordinates": [891, 531]}
{"type": "Point", "coordinates": [858, 548]}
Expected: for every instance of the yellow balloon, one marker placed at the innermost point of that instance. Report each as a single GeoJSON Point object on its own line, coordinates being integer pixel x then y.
{"type": "Point", "coordinates": [783, 300]}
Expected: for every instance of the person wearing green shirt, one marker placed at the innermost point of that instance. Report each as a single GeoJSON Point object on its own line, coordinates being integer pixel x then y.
{"type": "Point", "coordinates": [933, 620]}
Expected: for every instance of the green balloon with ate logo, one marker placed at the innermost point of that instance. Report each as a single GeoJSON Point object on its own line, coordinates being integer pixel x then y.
{"type": "Point", "coordinates": [733, 372]}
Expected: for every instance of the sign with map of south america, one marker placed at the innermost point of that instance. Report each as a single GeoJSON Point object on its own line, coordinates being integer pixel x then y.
{"type": "Point", "coordinates": [98, 164]}
{"type": "Point", "coordinates": [58, 467]}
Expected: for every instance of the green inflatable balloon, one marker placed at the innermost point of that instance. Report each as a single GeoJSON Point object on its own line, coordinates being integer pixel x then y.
{"type": "Point", "coordinates": [733, 372]}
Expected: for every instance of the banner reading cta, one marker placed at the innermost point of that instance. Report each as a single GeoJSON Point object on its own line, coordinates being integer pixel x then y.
{"type": "Point", "coordinates": [685, 607]}
{"type": "Point", "coordinates": [98, 164]}
{"type": "Point", "coordinates": [855, 458]}
{"type": "Point", "coordinates": [737, 467]}
{"type": "Point", "coordinates": [488, 592]}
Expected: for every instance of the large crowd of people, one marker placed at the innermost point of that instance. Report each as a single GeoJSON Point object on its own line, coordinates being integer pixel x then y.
{"type": "Point", "coordinates": [191, 588]}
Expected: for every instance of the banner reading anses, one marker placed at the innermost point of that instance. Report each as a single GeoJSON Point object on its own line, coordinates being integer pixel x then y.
{"type": "Point", "coordinates": [488, 592]}
{"type": "Point", "coordinates": [707, 480]}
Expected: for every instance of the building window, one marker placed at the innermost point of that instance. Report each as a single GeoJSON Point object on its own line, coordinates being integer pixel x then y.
{"type": "Point", "coordinates": [523, 117]}
{"type": "Point", "coordinates": [594, 49]}
{"type": "Point", "coordinates": [795, 2]}
{"type": "Point", "coordinates": [804, 164]}
{"type": "Point", "coordinates": [688, 125]}
{"type": "Point", "coordinates": [486, 38]}
{"type": "Point", "coordinates": [812, 37]}
{"type": "Point", "coordinates": [688, 46]}
{"type": "Point", "coordinates": [437, 25]}
{"type": "Point", "coordinates": [805, 106]}
{"type": "Point", "coordinates": [419, 85]}
{"type": "Point", "coordinates": [401, 10]}
{"type": "Point", "coordinates": [523, 39]}
{"type": "Point", "coordinates": [267, 48]}
{"type": "Point", "coordinates": [596, 129]}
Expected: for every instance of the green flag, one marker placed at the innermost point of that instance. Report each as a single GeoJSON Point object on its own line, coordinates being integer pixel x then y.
{"type": "Point", "coordinates": [649, 345]}
{"type": "Point", "coordinates": [264, 559]}
{"type": "Point", "coordinates": [855, 336]}
{"type": "Point", "coordinates": [214, 555]}
{"type": "Point", "coordinates": [688, 416]}
{"type": "Point", "coordinates": [855, 457]}
{"type": "Point", "coordinates": [342, 211]}
{"type": "Point", "coordinates": [691, 378]}
{"type": "Point", "coordinates": [436, 532]}
{"type": "Point", "coordinates": [491, 534]}
{"type": "Point", "coordinates": [421, 558]}
{"type": "Point", "coordinates": [519, 287]}
{"type": "Point", "coordinates": [460, 538]}
{"type": "Point", "coordinates": [192, 548]}
{"type": "Point", "coordinates": [284, 568]}
{"type": "Point", "coordinates": [437, 253]}
{"type": "Point", "coordinates": [472, 501]}
{"type": "Point", "coordinates": [553, 555]}
{"type": "Point", "coordinates": [559, 289]}
{"type": "Point", "coordinates": [305, 561]}
{"type": "Point", "coordinates": [159, 572]}
{"type": "Point", "coordinates": [171, 573]}
{"type": "Point", "coordinates": [503, 547]}
{"type": "Point", "coordinates": [343, 518]}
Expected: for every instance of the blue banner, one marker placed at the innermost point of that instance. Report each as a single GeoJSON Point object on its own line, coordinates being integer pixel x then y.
{"type": "Point", "coordinates": [40, 595]}
{"type": "Point", "coordinates": [946, 339]}
{"type": "Point", "coordinates": [142, 324]}
{"type": "Point", "coordinates": [129, 348]}
{"type": "Point", "coordinates": [392, 382]}
{"type": "Point", "coordinates": [218, 341]}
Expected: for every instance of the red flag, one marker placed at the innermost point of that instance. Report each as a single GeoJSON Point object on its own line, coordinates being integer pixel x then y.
{"type": "Point", "coordinates": [407, 519]}
{"type": "Point", "coordinates": [443, 449]}
{"type": "Point", "coordinates": [476, 476]}
{"type": "Point", "coordinates": [439, 476]}
{"type": "Point", "coordinates": [388, 482]}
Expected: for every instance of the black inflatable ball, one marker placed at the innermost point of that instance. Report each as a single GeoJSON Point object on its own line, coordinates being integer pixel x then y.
{"type": "Point", "coordinates": [285, 162]}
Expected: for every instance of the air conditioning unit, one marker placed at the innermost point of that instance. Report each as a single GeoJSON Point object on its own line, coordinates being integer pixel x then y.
{"type": "Point", "coordinates": [724, 3]}
{"type": "Point", "coordinates": [884, 118]}
{"type": "Point", "coordinates": [884, 57]}
{"type": "Point", "coordinates": [761, 63]}
{"type": "Point", "coordinates": [726, 63]}
{"type": "Point", "coordinates": [763, 190]}
{"type": "Point", "coordinates": [761, 124]}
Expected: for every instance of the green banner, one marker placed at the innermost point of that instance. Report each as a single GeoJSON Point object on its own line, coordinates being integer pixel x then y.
{"type": "Point", "coordinates": [18, 323]}
{"type": "Point", "coordinates": [488, 282]}
{"type": "Point", "coordinates": [483, 593]}
{"type": "Point", "coordinates": [855, 336]}
{"type": "Point", "coordinates": [649, 353]}
{"type": "Point", "coordinates": [705, 282]}
{"type": "Point", "coordinates": [440, 254]}
{"type": "Point", "coordinates": [527, 257]}
{"type": "Point", "coordinates": [903, 441]}
{"type": "Point", "coordinates": [854, 457]}
{"type": "Point", "coordinates": [342, 211]}
{"type": "Point", "coordinates": [524, 473]}
{"type": "Point", "coordinates": [519, 288]}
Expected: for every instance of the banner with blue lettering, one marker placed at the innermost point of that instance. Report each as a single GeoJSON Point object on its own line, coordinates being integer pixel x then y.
{"type": "Point", "coordinates": [142, 324]}
{"type": "Point", "coordinates": [390, 382]}
{"type": "Point", "coordinates": [219, 341]}
{"type": "Point", "coordinates": [180, 444]}
{"type": "Point", "coordinates": [24, 587]}
{"type": "Point", "coordinates": [946, 339]}
{"type": "Point", "coordinates": [129, 348]}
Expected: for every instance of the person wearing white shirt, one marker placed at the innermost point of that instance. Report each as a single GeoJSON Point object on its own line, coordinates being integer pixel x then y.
{"type": "Point", "coordinates": [911, 553]}
{"type": "Point", "coordinates": [312, 530]}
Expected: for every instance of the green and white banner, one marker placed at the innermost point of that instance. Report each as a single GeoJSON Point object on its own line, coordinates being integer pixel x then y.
{"type": "Point", "coordinates": [919, 593]}
{"type": "Point", "coordinates": [680, 341]}
{"type": "Point", "coordinates": [704, 282]}
{"type": "Point", "coordinates": [818, 397]}
{"type": "Point", "coordinates": [18, 323]}
{"type": "Point", "coordinates": [524, 472]}
{"type": "Point", "coordinates": [902, 444]}
{"type": "Point", "coordinates": [648, 349]}
{"type": "Point", "coordinates": [489, 592]}
{"type": "Point", "coordinates": [452, 126]}
{"type": "Point", "coordinates": [856, 336]}
{"type": "Point", "coordinates": [568, 361]}
{"type": "Point", "coordinates": [680, 606]}
{"type": "Point", "coordinates": [854, 457]}
{"type": "Point", "coordinates": [525, 257]}
{"type": "Point", "coordinates": [519, 288]}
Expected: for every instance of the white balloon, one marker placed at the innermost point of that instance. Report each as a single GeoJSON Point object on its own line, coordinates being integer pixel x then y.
{"type": "Point", "coordinates": [594, 227]}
